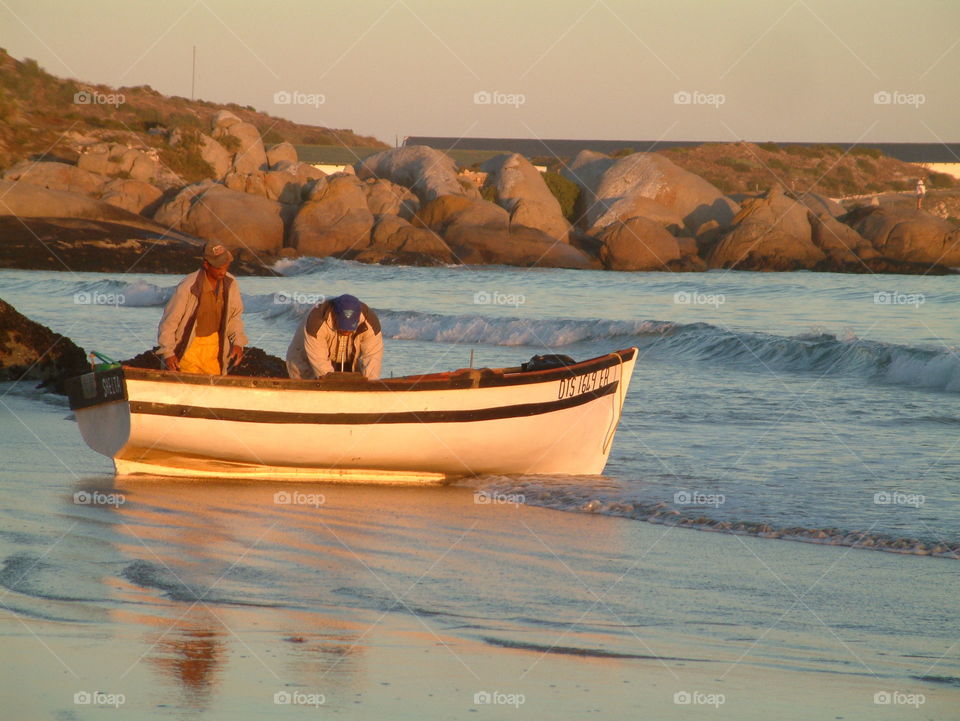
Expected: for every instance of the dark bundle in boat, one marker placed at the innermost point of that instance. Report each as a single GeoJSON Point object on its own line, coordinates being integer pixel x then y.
{"type": "Point", "coordinates": [256, 363]}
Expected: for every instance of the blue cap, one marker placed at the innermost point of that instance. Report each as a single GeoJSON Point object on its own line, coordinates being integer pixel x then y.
{"type": "Point", "coordinates": [346, 310]}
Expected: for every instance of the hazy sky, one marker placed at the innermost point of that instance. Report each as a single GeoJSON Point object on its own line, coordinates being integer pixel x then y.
{"type": "Point", "coordinates": [820, 70]}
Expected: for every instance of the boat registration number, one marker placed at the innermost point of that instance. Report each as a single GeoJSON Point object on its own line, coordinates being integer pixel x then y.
{"type": "Point", "coordinates": [570, 387]}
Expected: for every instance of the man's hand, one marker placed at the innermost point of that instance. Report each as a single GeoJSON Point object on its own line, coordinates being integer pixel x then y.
{"type": "Point", "coordinates": [171, 363]}
{"type": "Point", "coordinates": [236, 355]}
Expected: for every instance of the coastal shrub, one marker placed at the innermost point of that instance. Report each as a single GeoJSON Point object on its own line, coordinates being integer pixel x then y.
{"type": "Point", "coordinates": [230, 143]}
{"type": "Point", "coordinates": [489, 193]}
{"type": "Point", "coordinates": [866, 151]}
{"type": "Point", "coordinates": [185, 159]}
{"type": "Point", "coordinates": [741, 166]}
{"type": "Point", "coordinates": [941, 180]}
{"type": "Point", "coordinates": [272, 137]}
{"type": "Point", "coordinates": [778, 164]}
{"type": "Point", "coordinates": [770, 147]}
{"type": "Point", "coordinates": [866, 165]}
{"type": "Point", "coordinates": [622, 152]}
{"type": "Point", "coordinates": [564, 190]}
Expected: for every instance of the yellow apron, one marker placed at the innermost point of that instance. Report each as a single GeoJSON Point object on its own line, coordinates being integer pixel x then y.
{"type": "Point", "coordinates": [202, 355]}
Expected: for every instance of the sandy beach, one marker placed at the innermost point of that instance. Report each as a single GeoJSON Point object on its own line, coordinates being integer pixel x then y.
{"type": "Point", "coordinates": [176, 599]}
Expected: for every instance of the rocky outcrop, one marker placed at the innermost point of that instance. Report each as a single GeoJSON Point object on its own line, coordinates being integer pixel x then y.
{"type": "Point", "coordinates": [56, 176]}
{"type": "Point", "coordinates": [30, 351]}
{"type": "Point", "coordinates": [839, 242]}
{"type": "Point", "coordinates": [522, 192]}
{"type": "Point", "coordinates": [133, 195]}
{"type": "Point", "coordinates": [427, 172]}
{"type": "Point", "coordinates": [394, 240]}
{"type": "Point", "coordinates": [249, 156]}
{"type": "Point", "coordinates": [238, 220]}
{"type": "Point", "coordinates": [638, 244]}
{"type": "Point", "coordinates": [907, 234]}
{"type": "Point", "coordinates": [754, 245]}
{"type": "Point", "coordinates": [386, 198]}
{"type": "Point", "coordinates": [609, 188]}
{"type": "Point", "coordinates": [34, 201]}
{"type": "Point", "coordinates": [281, 153]}
{"type": "Point", "coordinates": [448, 211]}
{"type": "Point", "coordinates": [514, 246]}
{"type": "Point", "coordinates": [215, 155]}
{"type": "Point", "coordinates": [778, 211]}
{"type": "Point", "coordinates": [334, 220]}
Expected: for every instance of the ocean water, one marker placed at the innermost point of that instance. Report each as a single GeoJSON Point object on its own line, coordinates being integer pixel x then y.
{"type": "Point", "coordinates": [780, 430]}
{"type": "Point", "coordinates": [816, 407]}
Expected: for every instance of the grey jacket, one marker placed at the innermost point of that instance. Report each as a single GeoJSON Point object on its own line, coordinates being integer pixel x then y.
{"type": "Point", "coordinates": [314, 345]}
{"type": "Point", "coordinates": [176, 329]}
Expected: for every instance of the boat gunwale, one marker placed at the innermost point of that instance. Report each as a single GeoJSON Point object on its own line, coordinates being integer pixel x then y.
{"type": "Point", "coordinates": [464, 378]}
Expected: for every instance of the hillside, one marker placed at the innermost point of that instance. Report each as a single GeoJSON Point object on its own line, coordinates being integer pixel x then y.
{"type": "Point", "coordinates": [37, 109]}
{"type": "Point", "coordinates": [825, 169]}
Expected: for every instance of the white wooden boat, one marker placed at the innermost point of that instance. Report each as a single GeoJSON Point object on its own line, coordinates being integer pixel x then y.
{"type": "Point", "coordinates": [414, 429]}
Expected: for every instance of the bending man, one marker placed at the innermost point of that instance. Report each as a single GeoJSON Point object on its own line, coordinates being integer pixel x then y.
{"type": "Point", "coordinates": [342, 335]}
{"type": "Point", "coordinates": [201, 330]}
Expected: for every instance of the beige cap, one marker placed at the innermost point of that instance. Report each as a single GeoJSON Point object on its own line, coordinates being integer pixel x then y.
{"type": "Point", "coordinates": [216, 253]}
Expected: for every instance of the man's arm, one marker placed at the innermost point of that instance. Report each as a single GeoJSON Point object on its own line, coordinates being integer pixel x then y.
{"type": "Point", "coordinates": [172, 316]}
{"type": "Point", "coordinates": [235, 332]}
{"type": "Point", "coordinates": [371, 354]}
{"type": "Point", "coordinates": [318, 353]}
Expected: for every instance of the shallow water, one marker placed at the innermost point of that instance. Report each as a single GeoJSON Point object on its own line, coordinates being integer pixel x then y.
{"type": "Point", "coordinates": [783, 410]}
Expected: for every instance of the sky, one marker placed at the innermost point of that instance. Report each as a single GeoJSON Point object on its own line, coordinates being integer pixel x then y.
{"type": "Point", "coordinates": [781, 70]}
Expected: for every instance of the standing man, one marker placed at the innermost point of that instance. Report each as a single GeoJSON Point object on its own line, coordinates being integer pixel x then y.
{"type": "Point", "coordinates": [342, 335]}
{"type": "Point", "coordinates": [921, 191]}
{"type": "Point", "coordinates": [201, 330]}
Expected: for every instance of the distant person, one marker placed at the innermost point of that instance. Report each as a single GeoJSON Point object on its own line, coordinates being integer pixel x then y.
{"type": "Point", "coordinates": [342, 335]}
{"type": "Point", "coordinates": [201, 330]}
{"type": "Point", "coordinates": [921, 191]}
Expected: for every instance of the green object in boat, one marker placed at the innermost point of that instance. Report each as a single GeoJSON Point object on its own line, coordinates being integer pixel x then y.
{"type": "Point", "coordinates": [105, 364]}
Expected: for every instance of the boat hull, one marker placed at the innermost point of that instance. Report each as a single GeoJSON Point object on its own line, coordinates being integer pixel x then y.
{"type": "Point", "coordinates": [419, 429]}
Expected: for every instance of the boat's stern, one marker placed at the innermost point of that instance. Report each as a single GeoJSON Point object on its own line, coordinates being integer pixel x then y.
{"type": "Point", "coordinates": [99, 400]}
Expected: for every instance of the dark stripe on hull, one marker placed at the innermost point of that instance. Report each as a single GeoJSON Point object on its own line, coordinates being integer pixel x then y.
{"type": "Point", "coordinates": [349, 419]}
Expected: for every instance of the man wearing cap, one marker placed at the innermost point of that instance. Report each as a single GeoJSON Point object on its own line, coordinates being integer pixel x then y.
{"type": "Point", "coordinates": [202, 326]}
{"type": "Point", "coordinates": [341, 334]}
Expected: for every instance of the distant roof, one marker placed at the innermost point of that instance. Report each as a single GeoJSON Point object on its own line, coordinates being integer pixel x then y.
{"type": "Point", "coordinates": [907, 152]}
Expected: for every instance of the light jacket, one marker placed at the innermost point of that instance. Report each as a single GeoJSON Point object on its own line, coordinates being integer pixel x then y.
{"type": "Point", "coordinates": [314, 345]}
{"type": "Point", "coordinates": [176, 330]}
